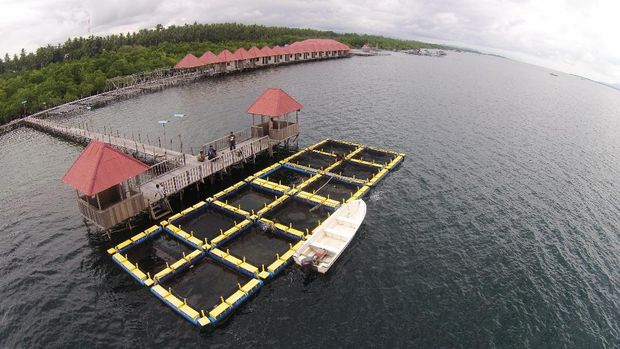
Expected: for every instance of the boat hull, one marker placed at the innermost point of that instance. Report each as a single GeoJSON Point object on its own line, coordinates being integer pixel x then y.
{"type": "Point", "coordinates": [332, 237]}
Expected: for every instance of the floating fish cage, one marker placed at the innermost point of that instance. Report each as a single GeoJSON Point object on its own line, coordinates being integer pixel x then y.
{"type": "Point", "coordinates": [374, 156]}
{"type": "Point", "coordinates": [302, 214]}
{"type": "Point", "coordinates": [208, 259]}
{"type": "Point", "coordinates": [356, 170]}
{"type": "Point", "coordinates": [260, 245]}
{"type": "Point", "coordinates": [314, 159]}
{"type": "Point", "coordinates": [336, 147]}
{"type": "Point", "coordinates": [333, 187]}
{"type": "Point", "coordinates": [288, 176]}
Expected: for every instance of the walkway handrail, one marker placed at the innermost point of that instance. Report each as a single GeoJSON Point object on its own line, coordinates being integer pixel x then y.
{"type": "Point", "coordinates": [157, 170]}
{"type": "Point", "coordinates": [222, 143]}
{"type": "Point", "coordinates": [209, 167]}
{"type": "Point", "coordinates": [108, 217]}
{"type": "Point", "coordinates": [285, 132]}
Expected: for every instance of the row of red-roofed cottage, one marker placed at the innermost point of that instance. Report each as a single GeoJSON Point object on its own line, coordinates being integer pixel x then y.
{"type": "Point", "coordinates": [225, 61]}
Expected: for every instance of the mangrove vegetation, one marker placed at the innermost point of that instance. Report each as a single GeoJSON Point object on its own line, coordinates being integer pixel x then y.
{"type": "Point", "coordinates": [83, 66]}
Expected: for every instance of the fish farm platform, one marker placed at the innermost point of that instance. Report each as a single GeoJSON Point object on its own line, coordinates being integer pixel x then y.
{"type": "Point", "coordinates": [208, 259]}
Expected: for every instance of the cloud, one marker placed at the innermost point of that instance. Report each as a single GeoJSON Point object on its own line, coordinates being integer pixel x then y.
{"type": "Point", "coordinates": [569, 35]}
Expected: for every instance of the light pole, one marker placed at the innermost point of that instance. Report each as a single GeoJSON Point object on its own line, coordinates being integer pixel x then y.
{"type": "Point", "coordinates": [163, 123]}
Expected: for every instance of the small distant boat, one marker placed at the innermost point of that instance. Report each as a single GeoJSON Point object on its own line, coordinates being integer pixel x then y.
{"type": "Point", "coordinates": [328, 241]}
{"type": "Point", "coordinates": [179, 115]}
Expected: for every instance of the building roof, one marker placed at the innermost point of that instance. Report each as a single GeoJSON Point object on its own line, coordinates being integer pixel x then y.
{"type": "Point", "coordinates": [277, 51]}
{"type": "Point", "coordinates": [254, 51]}
{"type": "Point", "coordinates": [293, 49]}
{"type": "Point", "coordinates": [322, 44]}
{"type": "Point", "coordinates": [308, 45]}
{"type": "Point", "coordinates": [227, 56]}
{"type": "Point", "coordinates": [209, 58]}
{"type": "Point", "coordinates": [267, 51]}
{"type": "Point", "coordinates": [274, 102]}
{"type": "Point", "coordinates": [242, 54]}
{"type": "Point", "coordinates": [189, 61]}
{"type": "Point", "coordinates": [100, 167]}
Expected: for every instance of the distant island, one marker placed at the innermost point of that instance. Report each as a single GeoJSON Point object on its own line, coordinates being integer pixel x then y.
{"type": "Point", "coordinates": [81, 67]}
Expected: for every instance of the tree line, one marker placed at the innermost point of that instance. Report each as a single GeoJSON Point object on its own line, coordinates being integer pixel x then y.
{"type": "Point", "coordinates": [80, 67]}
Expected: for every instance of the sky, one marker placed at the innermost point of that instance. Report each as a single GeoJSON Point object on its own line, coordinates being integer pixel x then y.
{"type": "Point", "coordinates": [573, 36]}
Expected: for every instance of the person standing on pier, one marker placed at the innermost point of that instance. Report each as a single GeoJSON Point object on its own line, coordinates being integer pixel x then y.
{"type": "Point", "coordinates": [231, 141]}
{"type": "Point", "coordinates": [160, 193]}
{"type": "Point", "coordinates": [201, 156]}
{"type": "Point", "coordinates": [211, 154]}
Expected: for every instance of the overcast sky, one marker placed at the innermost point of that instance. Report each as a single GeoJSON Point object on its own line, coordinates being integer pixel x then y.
{"type": "Point", "coordinates": [574, 36]}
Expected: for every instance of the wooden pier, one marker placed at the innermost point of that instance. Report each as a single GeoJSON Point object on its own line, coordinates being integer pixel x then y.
{"type": "Point", "coordinates": [173, 171]}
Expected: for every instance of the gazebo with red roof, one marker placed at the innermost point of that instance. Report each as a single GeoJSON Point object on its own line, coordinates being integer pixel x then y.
{"type": "Point", "coordinates": [274, 107]}
{"type": "Point", "coordinates": [101, 177]}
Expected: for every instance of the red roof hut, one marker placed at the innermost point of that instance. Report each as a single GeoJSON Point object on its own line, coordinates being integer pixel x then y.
{"type": "Point", "coordinates": [228, 58]}
{"type": "Point", "coordinates": [244, 58]}
{"type": "Point", "coordinates": [269, 55]}
{"type": "Point", "coordinates": [258, 55]}
{"type": "Point", "coordinates": [210, 59]}
{"type": "Point", "coordinates": [189, 61]}
{"type": "Point", "coordinates": [278, 53]}
{"type": "Point", "coordinates": [274, 106]}
{"type": "Point", "coordinates": [100, 175]}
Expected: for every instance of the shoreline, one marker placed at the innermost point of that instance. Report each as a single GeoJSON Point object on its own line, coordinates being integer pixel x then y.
{"type": "Point", "coordinates": [109, 97]}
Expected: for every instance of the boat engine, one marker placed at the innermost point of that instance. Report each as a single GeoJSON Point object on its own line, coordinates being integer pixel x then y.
{"type": "Point", "coordinates": [307, 264]}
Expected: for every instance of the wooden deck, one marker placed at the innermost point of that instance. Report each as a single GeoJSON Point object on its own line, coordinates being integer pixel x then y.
{"type": "Point", "coordinates": [172, 170]}
{"type": "Point", "coordinates": [194, 171]}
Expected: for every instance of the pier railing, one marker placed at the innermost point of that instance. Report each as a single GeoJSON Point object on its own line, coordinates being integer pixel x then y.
{"type": "Point", "coordinates": [157, 170]}
{"type": "Point", "coordinates": [110, 216]}
{"type": "Point", "coordinates": [222, 143]}
{"type": "Point", "coordinates": [222, 162]}
{"type": "Point", "coordinates": [257, 131]}
{"type": "Point", "coordinates": [285, 132]}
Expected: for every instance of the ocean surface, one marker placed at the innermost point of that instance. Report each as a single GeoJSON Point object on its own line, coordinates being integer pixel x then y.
{"type": "Point", "coordinates": [500, 229]}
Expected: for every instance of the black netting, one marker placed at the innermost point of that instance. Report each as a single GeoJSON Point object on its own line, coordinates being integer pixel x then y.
{"type": "Point", "coordinates": [336, 189]}
{"type": "Point", "coordinates": [377, 156]}
{"type": "Point", "coordinates": [314, 160]}
{"type": "Point", "coordinates": [336, 148]}
{"type": "Point", "coordinates": [352, 169]}
{"type": "Point", "coordinates": [207, 223]}
{"type": "Point", "coordinates": [250, 198]}
{"type": "Point", "coordinates": [205, 283]}
{"type": "Point", "coordinates": [301, 214]}
{"type": "Point", "coordinates": [259, 247]}
{"type": "Point", "coordinates": [152, 254]}
{"type": "Point", "coordinates": [288, 177]}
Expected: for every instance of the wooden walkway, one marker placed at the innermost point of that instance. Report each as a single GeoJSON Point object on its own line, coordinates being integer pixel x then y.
{"type": "Point", "coordinates": [172, 170]}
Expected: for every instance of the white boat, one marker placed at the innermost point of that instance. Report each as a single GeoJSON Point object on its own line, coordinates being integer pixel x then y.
{"type": "Point", "coordinates": [328, 241]}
